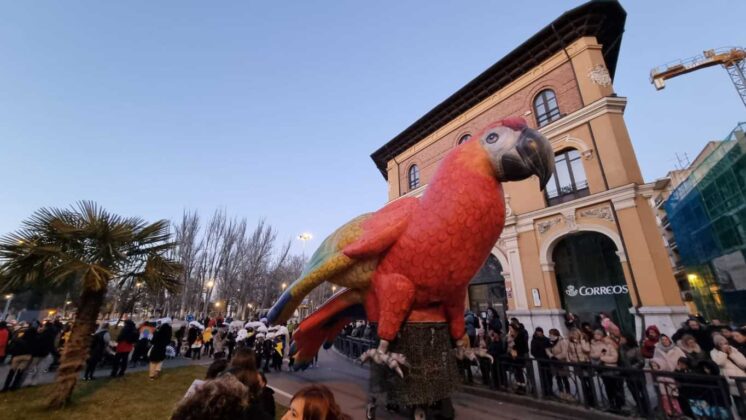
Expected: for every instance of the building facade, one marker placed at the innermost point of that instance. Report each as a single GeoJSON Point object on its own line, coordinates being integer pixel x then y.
{"type": "Point", "coordinates": [707, 214]}
{"type": "Point", "coordinates": [589, 244]}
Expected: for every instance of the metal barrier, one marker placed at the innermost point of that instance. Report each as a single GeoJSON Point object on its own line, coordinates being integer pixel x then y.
{"type": "Point", "coordinates": [353, 347]}
{"type": "Point", "coordinates": [630, 392]}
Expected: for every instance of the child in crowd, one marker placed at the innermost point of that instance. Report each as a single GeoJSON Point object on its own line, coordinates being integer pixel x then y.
{"type": "Point", "coordinates": [197, 348]}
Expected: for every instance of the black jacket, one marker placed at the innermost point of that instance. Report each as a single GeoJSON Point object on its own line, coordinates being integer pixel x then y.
{"type": "Point", "coordinates": [23, 342]}
{"type": "Point", "coordinates": [267, 401]}
{"type": "Point", "coordinates": [45, 341]}
{"type": "Point", "coordinates": [539, 346]}
{"type": "Point", "coordinates": [703, 336]}
{"type": "Point", "coordinates": [161, 339]}
{"type": "Point", "coordinates": [129, 333]}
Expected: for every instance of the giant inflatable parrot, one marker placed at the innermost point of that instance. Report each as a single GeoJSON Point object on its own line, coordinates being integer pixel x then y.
{"type": "Point", "coordinates": [415, 257]}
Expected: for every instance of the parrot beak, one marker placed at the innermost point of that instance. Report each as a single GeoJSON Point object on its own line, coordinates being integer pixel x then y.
{"type": "Point", "coordinates": [534, 157]}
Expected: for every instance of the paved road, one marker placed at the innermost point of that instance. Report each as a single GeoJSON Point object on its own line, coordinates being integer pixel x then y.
{"type": "Point", "coordinates": [349, 382]}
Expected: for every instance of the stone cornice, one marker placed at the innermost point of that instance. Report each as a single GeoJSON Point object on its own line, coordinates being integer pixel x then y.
{"type": "Point", "coordinates": [609, 104]}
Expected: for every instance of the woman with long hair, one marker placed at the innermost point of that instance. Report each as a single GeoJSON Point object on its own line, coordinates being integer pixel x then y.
{"type": "Point", "coordinates": [314, 402]}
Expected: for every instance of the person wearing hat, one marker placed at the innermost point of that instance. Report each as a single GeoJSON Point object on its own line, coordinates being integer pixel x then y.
{"type": "Point", "coordinates": [157, 353]}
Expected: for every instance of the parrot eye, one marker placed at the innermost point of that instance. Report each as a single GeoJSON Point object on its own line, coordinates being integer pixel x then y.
{"type": "Point", "coordinates": [492, 138]}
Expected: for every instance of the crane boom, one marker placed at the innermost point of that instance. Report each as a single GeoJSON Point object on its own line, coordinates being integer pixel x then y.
{"type": "Point", "coordinates": [732, 59]}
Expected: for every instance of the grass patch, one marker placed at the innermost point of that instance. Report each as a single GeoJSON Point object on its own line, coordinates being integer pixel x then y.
{"type": "Point", "coordinates": [130, 397]}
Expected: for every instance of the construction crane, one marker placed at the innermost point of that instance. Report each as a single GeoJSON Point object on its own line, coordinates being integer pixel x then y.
{"type": "Point", "coordinates": [732, 59]}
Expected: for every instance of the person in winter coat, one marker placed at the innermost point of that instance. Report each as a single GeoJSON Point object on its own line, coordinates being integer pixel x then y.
{"type": "Point", "coordinates": [219, 342]}
{"type": "Point", "coordinates": [471, 322]}
{"type": "Point", "coordinates": [738, 340]}
{"type": "Point", "coordinates": [668, 391]}
{"type": "Point", "coordinates": [540, 345]}
{"type": "Point", "coordinates": [571, 321]}
{"type": "Point", "coordinates": [19, 349]}
{"type": "Point", "coordinates": [96, 351]}
{"type": "Point", "coordinates": [41, 349]}
{"type": "Point", "coordinates": [692, 349]}
{"type": "Point", "coordinates": [4, 338]}
{"type": "Point", "coordinates": [579, 351]}
{"type": "Point", "coordinates": [518, 351]}
{"type": "Point", "coordinates": [207, 341]}
{"type": "Point", "coordinates": [192, 335]}
{"type": "Point", "coordinates": [652, 336]}
{"type": "Point", "coordinates": [179, 335]}
{"type": "Point", "coordinates": [125, 344]}
{"type": "Point", "coordinates": [496, 349]}
{"type": "Point", "coordinates": [730, 361]}
{"type": "Point", "coordinates": [493, 321]}
{"type": "Point", "coordinates": [558, 352]}
{"type": "Point", "coordinates": [266, 397]}
{"type": "Point", "coordinates": [630, 357]}
{"type": "Point", "coordinates": [161, 339]}
{"type": "Point", "coordinates": [702, 334]}
{"type": "Point", "coordinates": [666, 349]}
{"type": "Point", "coordinates": [604, 353]}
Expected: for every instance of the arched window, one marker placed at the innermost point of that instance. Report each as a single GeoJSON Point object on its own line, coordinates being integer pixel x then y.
{"type": "Point", "coordinates": [414, 177]}
{"type": "Point", "coordinates": [464, 138]}
{"type": "Point", "coordinates": [546, 108]}
{"type": "Point", "coordinates": [568, 181]}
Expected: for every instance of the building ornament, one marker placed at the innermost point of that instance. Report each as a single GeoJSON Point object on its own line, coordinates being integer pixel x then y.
{"type": "Point", "coordinates": [544, 226]}
{"type": "Point", "coordinates": [599, 213]}
{"type": "Point", "coordinates": [600, 75]}
{"type": "Point", "coordinates": [508, 209]}
{"type": "Point", "coordinates": [587, 154]}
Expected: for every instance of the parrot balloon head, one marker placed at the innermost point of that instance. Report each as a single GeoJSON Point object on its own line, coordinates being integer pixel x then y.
{"type": "Point", "coordinates": [516, 151]}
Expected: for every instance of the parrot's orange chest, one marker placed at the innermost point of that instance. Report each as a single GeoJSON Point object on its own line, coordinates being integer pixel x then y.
{"type": "Point", "coordinates": [451, 234]}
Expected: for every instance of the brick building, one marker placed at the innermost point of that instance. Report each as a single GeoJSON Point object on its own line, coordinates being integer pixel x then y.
{"type": "Point", "coordinates": [590, 243]}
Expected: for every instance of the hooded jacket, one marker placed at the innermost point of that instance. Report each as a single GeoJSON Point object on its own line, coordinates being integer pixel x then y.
{"type": "Point", "coordinates": [648, 343]}
{"type": "Point", "coordinates": [670, 354]}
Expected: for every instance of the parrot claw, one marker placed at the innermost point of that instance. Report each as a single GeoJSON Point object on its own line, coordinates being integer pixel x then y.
{"type": "Point", "coordinates": [471, 353]}
{"type": "Point", "coordinates": [381, 356]}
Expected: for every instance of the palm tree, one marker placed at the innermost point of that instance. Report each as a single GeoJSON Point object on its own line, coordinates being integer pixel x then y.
{"type": "Point", "coordinates": [97, 249]}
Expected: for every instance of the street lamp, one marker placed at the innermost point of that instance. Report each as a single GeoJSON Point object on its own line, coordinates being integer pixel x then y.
{"type": "Point", "coordinates": [334, 289]}
{"type": "Point", "coordinates": [8, 299]}
{"type": "Point", "coordinates": [284, 286]}
{"type": "Point", "coordinates": [305, 236]}
{"type": "Point", "coordinates": [64, 308]}
{"type": "Point", "coordinates": [210, 284]}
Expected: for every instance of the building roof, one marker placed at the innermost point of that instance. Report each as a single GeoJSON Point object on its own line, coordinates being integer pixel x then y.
{"type": "Point", "coordinates": [603, 19]}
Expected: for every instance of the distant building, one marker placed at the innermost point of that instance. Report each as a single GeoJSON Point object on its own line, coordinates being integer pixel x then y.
{"type": "Point", "coordinates": [707, 214]}
{"type": "Point", "coordinates": [590, 243]}
{"type": "Point", "coordinates": [662, 190]}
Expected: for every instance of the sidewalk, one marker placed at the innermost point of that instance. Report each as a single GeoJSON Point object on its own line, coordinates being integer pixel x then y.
{"type": "Point", "coordinates": [48, 377]}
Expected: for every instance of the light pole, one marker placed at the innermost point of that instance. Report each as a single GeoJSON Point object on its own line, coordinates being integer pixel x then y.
{"type": "Point", "coordinates": [210, 284]}
{"type": "Point", "coordinates": [305, 236]}
{"type": "Point", "coordinates": [64, 308]}
{"type": "Point", "coordinates": [8, 299]}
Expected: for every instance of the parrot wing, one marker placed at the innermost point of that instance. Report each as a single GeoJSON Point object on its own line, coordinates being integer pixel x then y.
{"type": "Point", "coordinates": [348, 256]}
{"type": "Point", "coordinates": [322, 326]}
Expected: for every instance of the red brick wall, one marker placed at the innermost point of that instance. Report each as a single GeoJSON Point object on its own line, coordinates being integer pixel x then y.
{"type": "Point", "coordinates": [561, 80]}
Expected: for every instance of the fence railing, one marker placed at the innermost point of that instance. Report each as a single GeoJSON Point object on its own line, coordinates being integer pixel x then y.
{"type": "Point", "coordinates": [623, 391]}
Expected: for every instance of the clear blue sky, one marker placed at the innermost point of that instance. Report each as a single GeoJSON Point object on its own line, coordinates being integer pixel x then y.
{"type": "Point", "coordinates": [271, 110]}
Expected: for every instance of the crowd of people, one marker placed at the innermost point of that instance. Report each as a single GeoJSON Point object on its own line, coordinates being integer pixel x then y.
{"type": "Point", "coordinates": [237, 389]}
{"type": "Point", "coordinates": [121, 344]}
{"type": "Point", "coordinates": [619, 359]}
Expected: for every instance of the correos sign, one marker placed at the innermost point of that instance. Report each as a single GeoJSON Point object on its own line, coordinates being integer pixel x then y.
{"type": "Point", "coordinates": [596, 291]}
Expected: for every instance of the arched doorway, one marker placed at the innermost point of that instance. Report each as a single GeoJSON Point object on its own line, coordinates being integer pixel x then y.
{"type": "Point", "coordinates": [487, 289]}
{"type": "Point", "coordinates": [591, 280]}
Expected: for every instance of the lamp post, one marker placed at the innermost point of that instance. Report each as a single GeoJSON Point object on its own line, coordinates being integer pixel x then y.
{"type": "Point", "coordinates": [210, 284]}
{"type": "Point", "coordinates": [305, 237]}
{"type": "Point", "coordinates": [8, 299]}
{"type": "Point", "coordinates": [64, 308]}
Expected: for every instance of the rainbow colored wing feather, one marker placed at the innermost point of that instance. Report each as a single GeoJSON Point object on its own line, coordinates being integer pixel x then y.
{"type": "Point", "coordinates": [349, 256]}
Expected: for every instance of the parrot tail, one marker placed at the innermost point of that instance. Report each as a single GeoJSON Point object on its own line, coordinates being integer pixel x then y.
{"type": "Point", "coordinates": [321, 327]}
